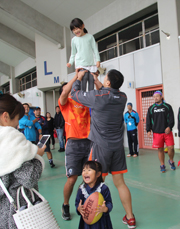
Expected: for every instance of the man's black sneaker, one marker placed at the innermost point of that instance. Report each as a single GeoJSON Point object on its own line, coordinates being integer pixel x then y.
{"type": "Point", "coordinates": [52, 165]}
{"type": "Point", "coordinates": [61, 150]}
{"type": "Point", "coordinates": [65, 212]}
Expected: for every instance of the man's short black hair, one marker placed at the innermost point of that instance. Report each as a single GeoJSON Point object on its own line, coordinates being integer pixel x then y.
{"type": "Point", "coordinates": [116, 78]}
{"type": "Point", "coordinates": [26, 104]}
{"type": "Point", "coordinates": [61, 88]}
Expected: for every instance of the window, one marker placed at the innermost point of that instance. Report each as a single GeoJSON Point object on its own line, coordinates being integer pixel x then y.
{"type": "Point", "coordinates": [27, 81]}
{"type": "Point", "coordinates": [108, 48]}
{"type": "Point", "coordinates": [6, 88]}
{"type": "Point", "coordinates": [136, 36]}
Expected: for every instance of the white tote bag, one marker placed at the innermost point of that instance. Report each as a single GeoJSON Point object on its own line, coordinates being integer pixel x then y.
{"type": "Point", "coordinates": [37, 216]}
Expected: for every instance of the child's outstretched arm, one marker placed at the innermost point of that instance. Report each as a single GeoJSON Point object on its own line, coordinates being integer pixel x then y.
{"type": "Point", "coordinates": [73, 53]}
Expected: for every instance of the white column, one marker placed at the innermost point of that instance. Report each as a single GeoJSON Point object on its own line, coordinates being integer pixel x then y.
{"type": "Point", "coordinates": [170, 55]}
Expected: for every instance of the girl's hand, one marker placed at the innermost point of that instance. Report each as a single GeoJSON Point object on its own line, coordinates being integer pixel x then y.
{"type": "Point", "coordinates": [41, 150]}
{"type": "Point", "coordinates": [98, 64]}
{"type": "Point", "coordinates": [68, 65]}
{"type": "Point", "coordinates": [81, 208]}
{"type": "Point", "coordinates": [101, 208]}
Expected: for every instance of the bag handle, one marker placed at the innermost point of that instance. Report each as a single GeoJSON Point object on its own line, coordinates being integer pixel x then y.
{"type": "Point", "coordinates": [18, 192]}
{"type": "Point", "coordinates": [6, 192]}
{"type": "Point", "coordinates": [26, 198]}
{"type": "Point", "coordinates": [11, 200]}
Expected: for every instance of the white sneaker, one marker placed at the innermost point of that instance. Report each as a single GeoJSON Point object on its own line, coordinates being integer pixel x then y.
{"type": "Point", "coordinates": [53, 147]}
{"type": "Point", "coordinates": [129, 155]}
{"type": "Point", "coordinates": [135, 155]}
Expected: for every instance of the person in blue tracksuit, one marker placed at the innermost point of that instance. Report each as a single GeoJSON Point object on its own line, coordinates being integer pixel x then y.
{"type": "Point", "coordinates": [29, 123]}
{"type": "Point", "coordinates": [131, 119]}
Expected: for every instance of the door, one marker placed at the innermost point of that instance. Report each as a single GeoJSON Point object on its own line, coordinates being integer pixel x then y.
{"type": "Point", "coordinates": [144, 99]}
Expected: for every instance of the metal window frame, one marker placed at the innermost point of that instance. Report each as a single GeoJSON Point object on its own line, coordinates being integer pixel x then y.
{"type": "Point", "coordinates": [26, 82]}
{"type": "Point", "coordinates": [142, 34]}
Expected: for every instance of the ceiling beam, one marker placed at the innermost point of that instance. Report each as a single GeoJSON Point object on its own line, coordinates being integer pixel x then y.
{"type": "Point", "coordinates": [5, 69]}
{"type": "Point", "coordinates": [34, 20]}
{"type": "Point", "coordinates": [17, 41]}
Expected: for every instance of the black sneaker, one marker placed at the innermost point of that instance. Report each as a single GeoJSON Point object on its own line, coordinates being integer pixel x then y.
{"type": "Point", "coordinates": [61, 150]}
{"type": "Point", "coordinates": [52, 165]}
{"type": "Point", "coordinates": [65, 212]}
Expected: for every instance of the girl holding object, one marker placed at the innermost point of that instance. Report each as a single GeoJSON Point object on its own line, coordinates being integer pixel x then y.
{"type": "Point", "coordinates": [93, 182]}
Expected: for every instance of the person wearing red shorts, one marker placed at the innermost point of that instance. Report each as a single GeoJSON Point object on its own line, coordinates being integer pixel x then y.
{"type": "Point", "coordinates": [160, 120]}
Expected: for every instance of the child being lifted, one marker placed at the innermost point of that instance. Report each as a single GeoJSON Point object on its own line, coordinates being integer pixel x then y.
{"type": "Point", "coordinates": [84, 51]}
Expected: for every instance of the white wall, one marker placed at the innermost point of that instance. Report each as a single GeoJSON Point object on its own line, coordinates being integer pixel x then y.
{"type": "Point", "coordinates": [170, 52]}
{"type": "Point", "coordinates": [147, 67]}
{"type": "Point", "coordinates": [24, 66]}
{"type": "Point", "coordinates": [55, 59]}
{"type": "Point", "coordinates": [4, 79]}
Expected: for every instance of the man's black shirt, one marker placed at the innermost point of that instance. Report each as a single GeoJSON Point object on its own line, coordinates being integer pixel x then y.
{"type": "Point", "coordinates": [58, 121]}
{"type": "Point", "coordinates": [159, 117]}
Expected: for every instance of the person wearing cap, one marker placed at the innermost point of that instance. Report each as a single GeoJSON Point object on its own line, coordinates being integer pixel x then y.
{"type": "Point", "coordinates": [160, 120]}
{"type": "Point", "coordinates": [131, 119]}
{"type": "Point", "coordinates": [28, 122]}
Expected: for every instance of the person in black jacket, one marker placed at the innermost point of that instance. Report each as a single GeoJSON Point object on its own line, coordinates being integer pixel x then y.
{"type": "Point", "coordinates": [50, 121]}
{"type": "Point", "coordinates": [160, 120]}
{"type": "Point", "coordinates": [59, 126]}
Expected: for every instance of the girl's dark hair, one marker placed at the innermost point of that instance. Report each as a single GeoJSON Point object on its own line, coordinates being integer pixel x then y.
{"type": "Point", "coordinates": [95, 166]}
{"type": "Point", "coordinates": [47, 113]}
{"type": "Point", "coordinates": [10, 105]}
{"type": "Point", "coordinates": [77, 23]}
{"type": "Point", "coordinates": [116, 78]}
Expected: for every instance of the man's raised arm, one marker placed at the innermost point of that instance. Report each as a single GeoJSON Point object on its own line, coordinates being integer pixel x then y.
{"type": "Point", "coordinates": [85, 98]}
{"type": "Point", "coordinates": [67, 89]}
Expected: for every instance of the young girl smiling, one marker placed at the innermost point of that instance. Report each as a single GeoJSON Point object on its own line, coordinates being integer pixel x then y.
{"type": "Point", "coordinates": [84, 51]}
{"type": "Point", "coordinates": [93, 182]}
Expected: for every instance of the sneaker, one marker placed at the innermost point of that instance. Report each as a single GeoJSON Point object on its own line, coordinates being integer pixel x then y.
{"type": "Point", "coordinates": [65, 212]}
{"type": "Point", "coordinates": [172, 165]}
{"type": "Point", "coordinates": [52, 165]}
{"type": "Point", "coordinates": [61, 150]}
{"type": "Point", "coordinates": [129, 155]}
{"type": "Point", "coordinates": [53, 147]}
{"type": "Point", "coordinates": [130, 222]}
{"type": "Point", "coordinates": [162, 168]}
{"type": "Point", "coordinates": [135, 155]}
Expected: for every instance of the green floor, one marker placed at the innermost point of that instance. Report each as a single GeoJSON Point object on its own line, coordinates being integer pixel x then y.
{"type": "Point", "coordinates": [155, 196]}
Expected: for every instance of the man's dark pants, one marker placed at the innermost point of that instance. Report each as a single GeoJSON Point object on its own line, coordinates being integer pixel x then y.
{"type": "Point", "coordinates": [132, 140]}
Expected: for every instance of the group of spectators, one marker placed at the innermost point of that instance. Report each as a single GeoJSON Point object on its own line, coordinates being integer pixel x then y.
{"type": "Point", "coordinates": [34, 126]}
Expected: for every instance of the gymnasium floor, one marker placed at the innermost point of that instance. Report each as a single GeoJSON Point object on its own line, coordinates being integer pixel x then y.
{"type": "Point", "coordinates": [155, 196]}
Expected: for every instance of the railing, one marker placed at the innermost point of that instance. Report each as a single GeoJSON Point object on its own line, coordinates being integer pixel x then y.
{"type": "Point", "coordinates": [134, 37]}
